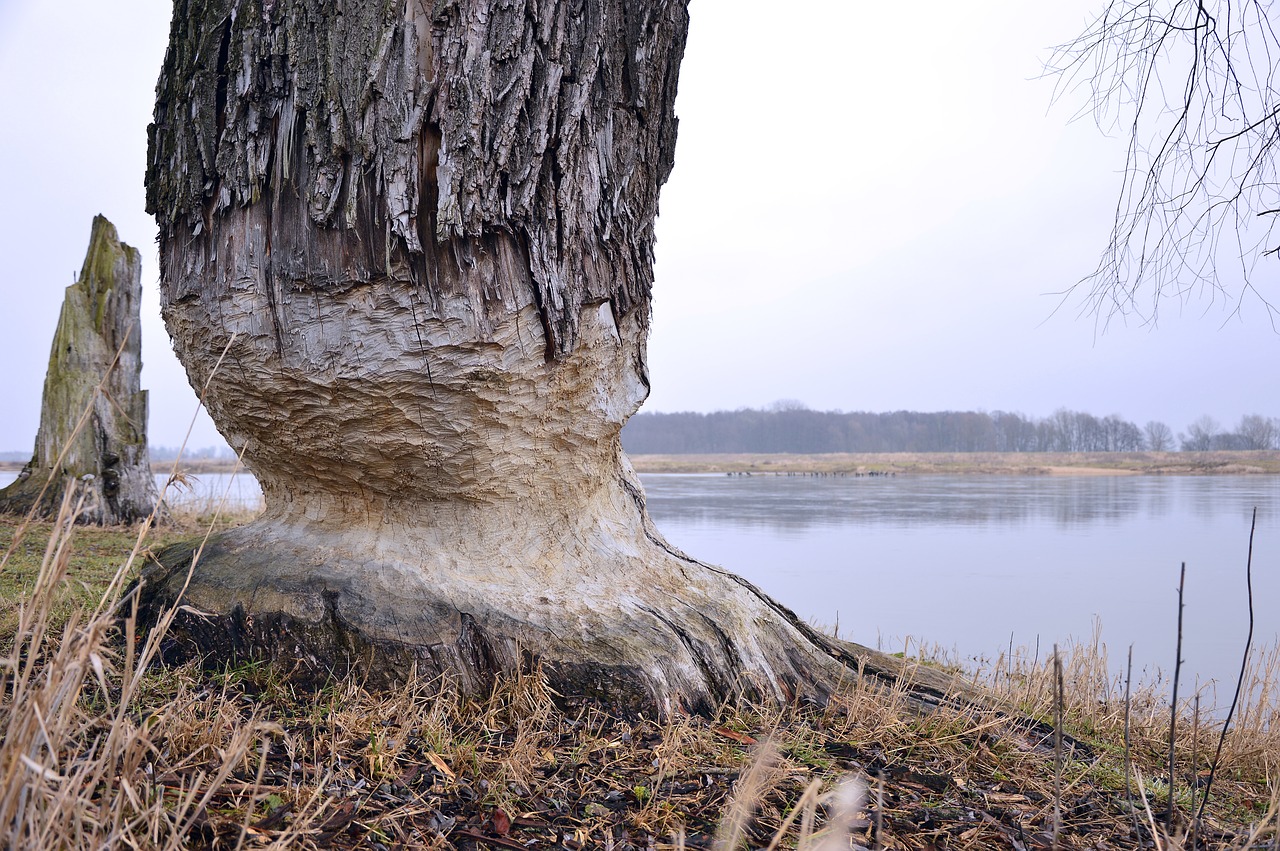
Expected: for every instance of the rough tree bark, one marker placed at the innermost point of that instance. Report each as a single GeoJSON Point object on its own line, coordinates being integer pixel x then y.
{"type": "Point", "coordinates": [93, 415]}
{"type": "Point", "coordinates": [423, 233]}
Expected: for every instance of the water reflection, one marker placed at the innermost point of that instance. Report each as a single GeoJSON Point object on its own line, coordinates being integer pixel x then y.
{"type": "Point", "coordinates": [973, 563]}
{"type": "Point", "coordinates": [796, 504]}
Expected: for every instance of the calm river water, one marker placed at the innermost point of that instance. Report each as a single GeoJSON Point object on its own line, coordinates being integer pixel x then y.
{"type": "Point", "coordinates": [971, 563]}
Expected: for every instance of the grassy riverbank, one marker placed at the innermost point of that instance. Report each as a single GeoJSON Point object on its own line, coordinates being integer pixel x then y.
{"type": "Point", "coordinates": [102, 747]}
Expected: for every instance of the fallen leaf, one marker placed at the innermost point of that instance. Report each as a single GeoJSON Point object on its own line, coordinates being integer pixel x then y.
{"type": "Point", "coordinates": [440, 764]}
{"type": "Point", "coordinates": [734, 735]}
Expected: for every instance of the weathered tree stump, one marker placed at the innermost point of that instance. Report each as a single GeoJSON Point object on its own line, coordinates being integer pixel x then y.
{"type": "Point", "coordinates": [93, 417]}
{"type": "Point", "coordinates": [423, 234]}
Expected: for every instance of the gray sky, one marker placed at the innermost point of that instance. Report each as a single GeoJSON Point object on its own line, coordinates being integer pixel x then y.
{"type": "Point", "coordinates": [867, 213]}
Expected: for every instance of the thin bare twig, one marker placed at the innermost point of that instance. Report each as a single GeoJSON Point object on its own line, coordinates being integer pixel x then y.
{"type": "Point", "coordinates": [1244, 665]}
{"type": "Point", "coordinates": [1193, 86]}
{"type": "Point", "coordinates": [1173, 704]}
{"type": "Point", "coordinates": [1057, 748]}
{"type": "Point", "coordinates": [1128, 743]}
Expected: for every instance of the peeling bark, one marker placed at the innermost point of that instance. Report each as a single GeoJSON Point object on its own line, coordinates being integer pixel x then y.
{"type": "Point", "coordinates": [93, 414]}
{"type": "Point", "coordinates": [424, 236]}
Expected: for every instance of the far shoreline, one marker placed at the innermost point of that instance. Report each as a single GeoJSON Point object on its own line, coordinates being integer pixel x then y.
{"type": "Point", "coordinates": [1261, 462]}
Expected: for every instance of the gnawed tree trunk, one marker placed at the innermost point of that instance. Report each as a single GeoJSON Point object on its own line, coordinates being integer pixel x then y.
{"type": "Point", "coordinates": [93, 417]}
{"type": "Point", "coordinates": [423, 233]}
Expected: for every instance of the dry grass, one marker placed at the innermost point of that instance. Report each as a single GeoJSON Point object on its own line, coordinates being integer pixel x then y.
{"type": "Point", "coordinates": [102, 748]}
{"type": "Point", "coordinates": [79, 760]}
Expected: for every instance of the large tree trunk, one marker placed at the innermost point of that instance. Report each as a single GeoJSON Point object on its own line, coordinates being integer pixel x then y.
{"type": "Point", "coordinates": [423, 233]}
{"type": "Point", "coordinates": [93, 415]}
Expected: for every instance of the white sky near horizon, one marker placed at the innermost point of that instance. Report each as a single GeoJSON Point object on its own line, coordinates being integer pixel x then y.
{"type": "Point", "coordinates": [869, 211]}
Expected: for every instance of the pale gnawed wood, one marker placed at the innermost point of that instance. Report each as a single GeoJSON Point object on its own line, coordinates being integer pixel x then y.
{"type": "Point", "coordinates": [423, 235]}
{"type": "Point", "coordinates": [93, 416]}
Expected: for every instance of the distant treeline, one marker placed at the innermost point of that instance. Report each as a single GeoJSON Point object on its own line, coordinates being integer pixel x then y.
{"type": "Point", "coordinates": [207, 453]}
{"type": "Point", "coordinates": [791, 427]}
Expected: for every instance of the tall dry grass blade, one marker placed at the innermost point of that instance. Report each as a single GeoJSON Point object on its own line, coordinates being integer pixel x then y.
{"type": "Point", "coordinates": [1157, 837]}
{"type": "Point", "coordinates": [848, 797]}
{"type": "Point", "coordinates": [808, 799]}
{"type": "Point", "coordinates": [1128, 741]}
{"type": "Point", "coordinates": [257, 797]}
{"type": "Point", "coordinates": [1033, 699]}
{"type": "Point", "coordinates": [1008, 665]}
{"type": "Point", "coordinates": [1270, 822]}
{"type": "Point", "coordinates": [34, 712]}
{"type": "Point", "coordinates": [746, 796]}
{"type": "Point", "coordinates": [110, 599]}
{"type": "Point", "coordinates": [877, 840]}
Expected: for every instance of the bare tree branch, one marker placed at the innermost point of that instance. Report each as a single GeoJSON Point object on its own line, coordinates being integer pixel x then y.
{"type": "Point", "coordinates": [1192, 85]}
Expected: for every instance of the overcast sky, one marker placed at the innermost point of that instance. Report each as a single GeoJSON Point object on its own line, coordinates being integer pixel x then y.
{"type": "Point", "coordinates": [868, 212]}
